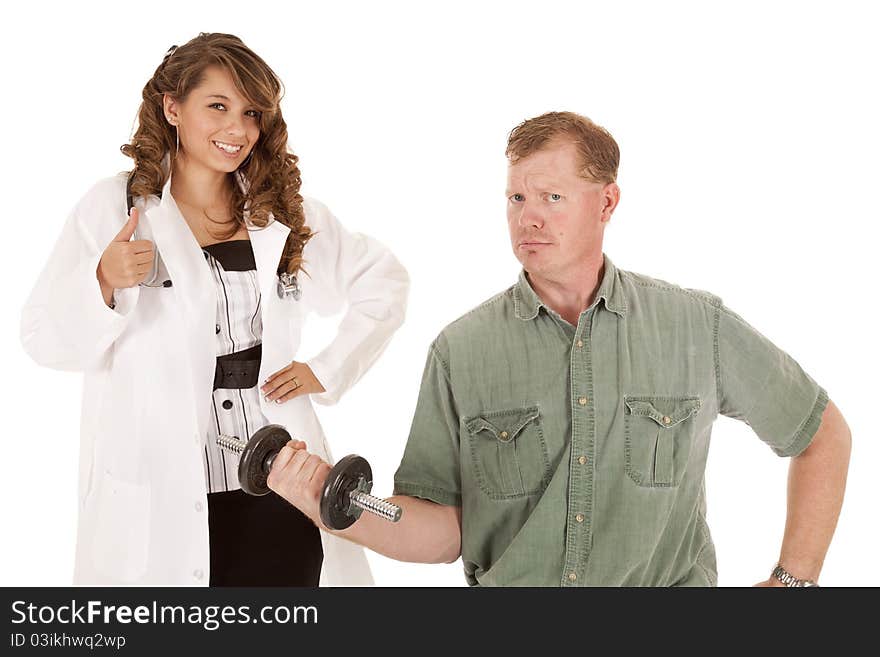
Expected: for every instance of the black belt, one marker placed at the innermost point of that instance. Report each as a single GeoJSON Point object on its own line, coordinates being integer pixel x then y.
{"type": "Point", "coordinates": [238, 370]}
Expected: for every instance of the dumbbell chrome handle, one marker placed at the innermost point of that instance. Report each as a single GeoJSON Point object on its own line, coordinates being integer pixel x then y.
{"type": "Point", "coordinates": [231, 444]}
{"type": "Point", "coordinates": [382, 508]}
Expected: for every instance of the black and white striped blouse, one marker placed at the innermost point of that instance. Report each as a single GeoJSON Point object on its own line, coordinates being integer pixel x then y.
{"type": "Point", "coordinates": [239, 327]}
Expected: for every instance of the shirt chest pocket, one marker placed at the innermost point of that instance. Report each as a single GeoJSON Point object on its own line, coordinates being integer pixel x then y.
{"type": "Point", "coordinates": [659, 434]}
{"type": "Point", "coordinates": [508, 452]}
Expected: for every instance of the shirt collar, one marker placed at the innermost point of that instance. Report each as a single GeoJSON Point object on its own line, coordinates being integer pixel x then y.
{"type": "Point", "coordinates": [527, 303]}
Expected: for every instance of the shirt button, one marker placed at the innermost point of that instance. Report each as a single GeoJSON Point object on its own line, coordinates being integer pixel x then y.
{"type": "Point", "coordinates": [580, 344]}
{"type": "Point", "coordinates": [572, 576]}
{"type": "Point", "coordinates": [666, 419]}
{"type": "Point", "coordinates": [227, 404]}
{"type": "Point", "coordinates": [216, 328]}
{"type": "Point", "coordinates": [199, 573]}
{"type": "Point", "coordinates": [579, 517]}
{"type": "Point", "coordinates": [198, 507]}
{"type": "Point", "coordinates": [582, 401]}
{"type": "Point", "coordinates": [582, 460]}
{"type": "Point", "coordinates": [504, 435]}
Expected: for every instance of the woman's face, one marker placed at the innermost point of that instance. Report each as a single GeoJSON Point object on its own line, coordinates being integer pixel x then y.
{"type": "Point", "coordinates": [217, 126]}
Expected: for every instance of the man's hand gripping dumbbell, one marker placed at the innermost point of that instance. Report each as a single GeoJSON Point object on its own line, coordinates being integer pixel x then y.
{"type": "Point", "coordinates": [345, 488]}
{"type": "Point", "coordinates": [426, 532]}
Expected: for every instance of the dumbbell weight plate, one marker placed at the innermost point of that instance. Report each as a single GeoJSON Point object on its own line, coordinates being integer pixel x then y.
{"type": "Point", "coordinates": [342, 480]}
{"type": "Point", "coordinates": [253, 468]}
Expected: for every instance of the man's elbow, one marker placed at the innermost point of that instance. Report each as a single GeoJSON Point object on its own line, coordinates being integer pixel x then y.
{"type": "Point", "coordinates": [452, 553]}
{"type": "Point", "coordinates": [454, 558]}
{"type": "Point", "coordinates": [450, 549]}
{"type": "Point", "coordinates": [447, 555]}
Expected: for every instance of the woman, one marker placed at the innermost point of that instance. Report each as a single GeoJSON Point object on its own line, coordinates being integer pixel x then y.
{"type": "Point", "coordinates": [186, 316]}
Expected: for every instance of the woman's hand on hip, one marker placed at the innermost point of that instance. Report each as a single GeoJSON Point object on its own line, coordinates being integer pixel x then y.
{"type": "Point", "coordinates": [294, 380]}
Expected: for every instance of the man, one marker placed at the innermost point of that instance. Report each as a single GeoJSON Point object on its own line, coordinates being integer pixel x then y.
{"type": "Point", "coordinates": [562, 427]}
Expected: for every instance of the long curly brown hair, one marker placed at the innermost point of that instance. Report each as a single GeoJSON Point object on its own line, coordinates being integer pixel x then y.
{"type": "Point", "coordinates": [271, 173]}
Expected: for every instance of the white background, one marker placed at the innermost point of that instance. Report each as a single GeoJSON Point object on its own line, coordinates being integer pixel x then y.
{"type": "Point", "coordinates": [749, 168]}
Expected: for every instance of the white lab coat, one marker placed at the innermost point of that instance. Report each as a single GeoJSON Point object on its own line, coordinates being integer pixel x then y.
{"type": "Point", "coordinates": [149, 369]}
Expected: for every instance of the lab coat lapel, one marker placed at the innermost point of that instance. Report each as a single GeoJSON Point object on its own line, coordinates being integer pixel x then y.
{"type": "Point", "coordinates": [193, 289]}
{"type": "Point", "coordinates": [268, 244]}
{"type": "Point", "coordinates": [182, 256]}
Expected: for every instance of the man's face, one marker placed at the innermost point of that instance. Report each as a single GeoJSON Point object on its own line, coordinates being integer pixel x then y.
{"type": "Point", "coordinates": [556, 218]}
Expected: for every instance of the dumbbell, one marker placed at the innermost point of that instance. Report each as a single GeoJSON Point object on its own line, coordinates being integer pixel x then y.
{"type": "Point", "coordinates": [346, 492]}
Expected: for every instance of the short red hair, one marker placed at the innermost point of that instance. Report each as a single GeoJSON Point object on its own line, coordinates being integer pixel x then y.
{"type": "Point", "coordinates": [599, 153]}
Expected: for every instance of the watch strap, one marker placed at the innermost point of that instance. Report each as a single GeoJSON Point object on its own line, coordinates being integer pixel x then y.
{"type": "Point", "coordinates": [788, 579]}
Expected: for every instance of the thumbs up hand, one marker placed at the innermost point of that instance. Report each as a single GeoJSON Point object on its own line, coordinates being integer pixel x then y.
{"type": "Point", "coordinates": [125, 263]}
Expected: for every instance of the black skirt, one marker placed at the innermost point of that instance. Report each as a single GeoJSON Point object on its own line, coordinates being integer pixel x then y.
{"type": "Point", "coordinates": [261, 541]}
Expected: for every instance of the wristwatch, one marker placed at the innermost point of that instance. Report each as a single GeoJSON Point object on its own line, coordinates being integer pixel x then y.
{"type": "Point", "coordinates": [788, 579]}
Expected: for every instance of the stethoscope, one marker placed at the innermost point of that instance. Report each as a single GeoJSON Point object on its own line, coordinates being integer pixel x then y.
{"type": "Point", "coordinates": [287, 286]}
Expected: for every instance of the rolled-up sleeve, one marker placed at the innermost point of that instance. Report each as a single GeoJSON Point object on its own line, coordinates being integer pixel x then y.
{"type": "Point", "coordinates": [764, 387]}
{"type": "Point", "coordinates": [430, 468]}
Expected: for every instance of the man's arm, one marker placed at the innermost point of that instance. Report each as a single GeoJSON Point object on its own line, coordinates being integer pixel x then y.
{"type": "Point", "coordinates": [426, 532]}
{"type": "Point", "coordinates": [816, 483]}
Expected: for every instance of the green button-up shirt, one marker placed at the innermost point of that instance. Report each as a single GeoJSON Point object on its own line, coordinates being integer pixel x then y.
{"type": "Point", "coordinates": [577, 454]}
